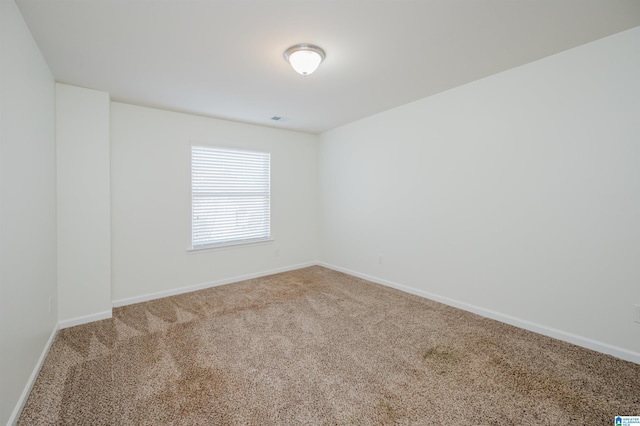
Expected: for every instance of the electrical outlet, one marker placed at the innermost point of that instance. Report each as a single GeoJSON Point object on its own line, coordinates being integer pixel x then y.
{"type": "Point", "coordinates": [277, 252]}
{"type": "Point", "coordinates": [637, 313]}
{"type": "Point", "coordinates": [379, 259]}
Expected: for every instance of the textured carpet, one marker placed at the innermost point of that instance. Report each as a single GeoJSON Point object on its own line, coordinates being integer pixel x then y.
{"type": "Point", "coordinates": [315, 347]}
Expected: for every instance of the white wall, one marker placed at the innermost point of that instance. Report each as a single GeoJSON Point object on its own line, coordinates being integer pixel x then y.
{"type": "Point", "coordinates": [84, 234]}
{"type": "Point", "coordinates": [151, 201]}
{"type": "Point", "coordinates": [27, 207]}
{"type": "Point", "coordinates": [518, 195]}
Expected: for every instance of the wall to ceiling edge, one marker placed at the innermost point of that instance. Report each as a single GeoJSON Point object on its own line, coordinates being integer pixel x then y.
{"type": "Point", "coordinates": [516, 196]}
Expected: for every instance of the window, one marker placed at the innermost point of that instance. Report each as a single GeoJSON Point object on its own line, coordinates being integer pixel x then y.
{"type": "Point", "coordinates": [230, 196]}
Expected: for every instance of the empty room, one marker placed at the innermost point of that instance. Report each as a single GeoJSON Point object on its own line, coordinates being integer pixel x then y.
{"type": "Point", "coordinates": [311, 212]}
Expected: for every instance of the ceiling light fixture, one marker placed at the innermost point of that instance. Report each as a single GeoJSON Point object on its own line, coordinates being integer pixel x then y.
{"type": "Point", "coordinates": [304, 58]}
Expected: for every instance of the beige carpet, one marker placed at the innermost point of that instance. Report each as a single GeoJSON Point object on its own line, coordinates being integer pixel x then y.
{"type": "Point", "coordinates": [316, 347]}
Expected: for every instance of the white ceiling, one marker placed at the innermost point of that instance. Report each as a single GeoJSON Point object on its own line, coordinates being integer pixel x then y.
{"type": "Point", "coordinates": [225, 58]}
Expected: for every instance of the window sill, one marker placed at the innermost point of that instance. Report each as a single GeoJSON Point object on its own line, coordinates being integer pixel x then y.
{"type": "Point", "coordinates": [227, 246]}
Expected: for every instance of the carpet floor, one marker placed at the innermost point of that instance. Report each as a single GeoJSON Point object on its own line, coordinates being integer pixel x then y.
{"type": "Point", "coordinates": [318, 347]}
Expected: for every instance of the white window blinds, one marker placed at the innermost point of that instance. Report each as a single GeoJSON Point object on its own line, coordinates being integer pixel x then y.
{"type": "Point", "coordinates": [230, 196]}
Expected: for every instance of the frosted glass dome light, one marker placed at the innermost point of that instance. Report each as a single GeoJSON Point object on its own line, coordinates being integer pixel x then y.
{"type": "Point", "coordinates": [304, 58]}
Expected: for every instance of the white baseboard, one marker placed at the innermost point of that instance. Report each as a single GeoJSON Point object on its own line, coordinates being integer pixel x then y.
{"type": "Point", "coordinates": [195, 287]}
{"type": "Point", "coordinates": [32, 379]}
{"type": "Point", "coordinates": [85, 319]}
{"type": "Point", "coordinates": [585, 342]}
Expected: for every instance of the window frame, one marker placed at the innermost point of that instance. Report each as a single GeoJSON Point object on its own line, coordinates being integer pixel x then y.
{"type": "Point", "coordinates": [231, 242]}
